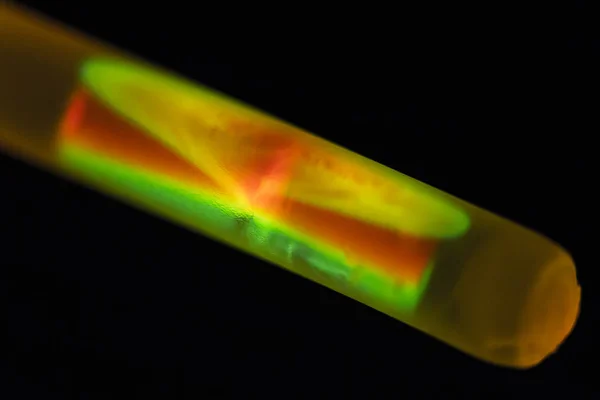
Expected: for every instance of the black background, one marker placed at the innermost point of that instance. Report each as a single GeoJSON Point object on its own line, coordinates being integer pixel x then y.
{"type": "Point", "coordinates": [497, 106]}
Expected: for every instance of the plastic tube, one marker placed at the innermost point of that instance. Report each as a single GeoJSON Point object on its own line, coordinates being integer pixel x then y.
{"type": "Point", "coordinates": [474, 280]}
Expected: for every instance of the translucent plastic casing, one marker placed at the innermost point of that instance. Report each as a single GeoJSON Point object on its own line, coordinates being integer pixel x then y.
{"type": "Point", "coordinates": [481, 283]}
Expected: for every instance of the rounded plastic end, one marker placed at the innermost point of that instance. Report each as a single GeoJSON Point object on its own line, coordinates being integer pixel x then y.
{"type": "Point", "coordinates": [550, 312]}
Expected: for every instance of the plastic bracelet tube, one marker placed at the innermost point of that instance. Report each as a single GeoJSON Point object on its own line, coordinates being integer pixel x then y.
{"type": "Point", "coordinates": [481, 283]}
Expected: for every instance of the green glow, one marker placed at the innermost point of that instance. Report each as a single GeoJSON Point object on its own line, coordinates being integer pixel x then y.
{"type": "Point", "coordinates": [195, 122]}
{"type": "Point", "coordinates": [262, 236]}
{"type": "Point", "coordinates": [400, 296]}
{"type": "Point", "coordinates": [396, 201]}
{"type": "Point", "coordinates": [201, 208]}
{"type": "Point", "coordinates": [187, 119]}
{"type": "Point", "coordinates": [202, 127]}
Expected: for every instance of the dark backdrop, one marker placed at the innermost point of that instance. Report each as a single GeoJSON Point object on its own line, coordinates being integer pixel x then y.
{"type": "Point", "coordinates": [496, 106]}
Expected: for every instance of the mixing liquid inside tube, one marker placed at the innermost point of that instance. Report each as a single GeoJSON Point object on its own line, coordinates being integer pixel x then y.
{"type": "Point", "coordinates": [477, 281]}
{"type": "Point", "coordinates": [262, 180]}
